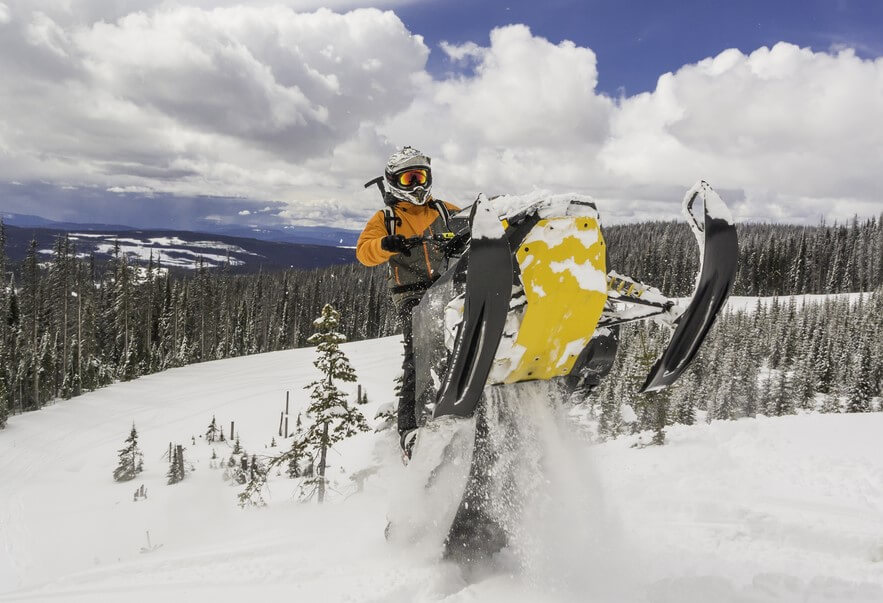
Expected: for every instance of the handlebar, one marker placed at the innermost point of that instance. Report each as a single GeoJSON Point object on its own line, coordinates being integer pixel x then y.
{"type": "Point", "coordinates": [447, 241]}
{"type": "Point", "coordinates": [438, 239]}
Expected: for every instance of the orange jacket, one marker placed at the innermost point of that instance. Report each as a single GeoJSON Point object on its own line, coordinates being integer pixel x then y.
{"type": "Point", "coordinates": [415, 220]}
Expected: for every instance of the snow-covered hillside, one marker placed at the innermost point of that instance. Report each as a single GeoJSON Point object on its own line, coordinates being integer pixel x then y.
{"type": "Point", "coordinates": [785, 509]}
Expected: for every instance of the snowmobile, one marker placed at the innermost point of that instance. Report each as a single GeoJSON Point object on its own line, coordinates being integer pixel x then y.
{"type": "Point", "coordinates": [528, 296]}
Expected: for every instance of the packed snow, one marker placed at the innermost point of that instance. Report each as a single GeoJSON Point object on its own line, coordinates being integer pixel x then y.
{"type": "Point", "coordinates": [178, 257]}
{"type": "Point", "coordinates": [760, 510]}
{"type": "Point", "coordinates": [170, 251]}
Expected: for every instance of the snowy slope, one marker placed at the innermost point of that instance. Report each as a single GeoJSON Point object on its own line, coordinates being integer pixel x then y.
{"type": "Point", "coordinates": [785, 509]}
{"type": "Point", "coordinates": [742, 302]}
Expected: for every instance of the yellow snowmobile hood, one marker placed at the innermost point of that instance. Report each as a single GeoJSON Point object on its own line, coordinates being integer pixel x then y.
{"type": "Point", "coordinates": [563, 288]}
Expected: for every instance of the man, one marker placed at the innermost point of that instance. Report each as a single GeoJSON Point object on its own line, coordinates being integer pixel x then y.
{"type": "Point", "coordinates": [410, 211]}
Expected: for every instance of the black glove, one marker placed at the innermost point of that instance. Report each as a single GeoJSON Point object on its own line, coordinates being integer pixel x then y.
{"type": "Point", "coordinates": [395, 243]}
{"type": "Point", "coordinates": [457, 245]}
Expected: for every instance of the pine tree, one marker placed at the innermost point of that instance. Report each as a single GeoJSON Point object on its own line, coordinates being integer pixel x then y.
{"type": "Point", "coordinates": [211, 433]}
{"type": "Point", "coordinates": [131, 459]}
{"type": "Point", "coordinates": [333, 417]}
{"type": "Point", "coordinates": [610, 423]}
{"type": "Point", "coordinates": [256, 479]}
{"type": "Point", "coordinates": [294, 457]}
{"type": "Point", "coordinates": [4, 402]}
{"type": "Point", "coordinates": [830, 404]}
{"type": "Point", "coordinates": [684, 400]}
{"type": "Point", "coordinates": [861, 390]}
{"type": "Point", "coordinates": [780, 402]}
{"type": "Point", "coordinates": [176, 465]}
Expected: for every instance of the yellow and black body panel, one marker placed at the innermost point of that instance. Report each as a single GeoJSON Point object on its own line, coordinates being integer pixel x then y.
{"type": "Point", "coordinates": [563, 280]}
{"type": "Point", "coordinates": [522, 304]}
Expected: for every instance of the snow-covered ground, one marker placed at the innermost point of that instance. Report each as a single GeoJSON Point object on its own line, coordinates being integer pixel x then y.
{"type": "Point", "coordinates": [742, 302]}
{"type": "Point", "coordinates": [785, 509]}
{"type": "Point", "coordinates": [170, 251]}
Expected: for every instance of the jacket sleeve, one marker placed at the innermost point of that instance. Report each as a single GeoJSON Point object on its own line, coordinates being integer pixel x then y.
{"type": "Point", "coordinates": [368, 249]}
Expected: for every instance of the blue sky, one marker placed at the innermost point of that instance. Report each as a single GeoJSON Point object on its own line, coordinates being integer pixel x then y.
{"type": "Point", "coordinates": [637, 41]}
{"type": "Point", "coordinates": [273, 112]}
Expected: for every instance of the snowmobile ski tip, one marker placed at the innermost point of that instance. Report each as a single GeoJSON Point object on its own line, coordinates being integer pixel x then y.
{"type": "Point", "coordinates": [719, 251]}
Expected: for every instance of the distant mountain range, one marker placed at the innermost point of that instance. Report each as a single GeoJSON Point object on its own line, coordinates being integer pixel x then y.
{"type": "Point", "coordinates": [309, 235]}
{"type": "Point", "coordinates": [171, 248]}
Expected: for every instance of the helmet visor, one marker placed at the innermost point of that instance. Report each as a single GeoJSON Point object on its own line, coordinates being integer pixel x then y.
{"type": "Point", "coordinates": [409, 179]}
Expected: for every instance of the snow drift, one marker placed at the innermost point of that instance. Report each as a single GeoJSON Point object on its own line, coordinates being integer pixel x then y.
{"type": "Point", "coordinates": [785, 509]}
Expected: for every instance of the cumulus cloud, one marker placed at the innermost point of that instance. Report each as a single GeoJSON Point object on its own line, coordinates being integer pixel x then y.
{"type": "Point", "coordinates": [791, 134]}
{"type": "Point", "coordinates": [266, 101]}
{"type": "Point", "coordinates": [801, 125]}
{"type": "Point", "coordinates": [528, 116]}
{"type": "Point", "coordinates": [462, 52]}
{"type": "Point", "coordinates": [197, 101]}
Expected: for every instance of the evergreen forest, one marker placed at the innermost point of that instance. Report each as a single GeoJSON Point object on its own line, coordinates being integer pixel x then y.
{"type": "Point", "coordinates": [69, 324]}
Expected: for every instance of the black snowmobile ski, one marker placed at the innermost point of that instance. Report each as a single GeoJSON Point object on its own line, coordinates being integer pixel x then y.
{"type": "Point", "coordinates": [719, 251]}
{"type": "Point", "coordinates": [489, 278]}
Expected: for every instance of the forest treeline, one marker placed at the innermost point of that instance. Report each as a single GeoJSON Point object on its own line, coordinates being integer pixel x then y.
{"type": "Point", "coordinates": [69, 324]}
{"type": "Point", "coordinates": [774, 259]}
{"type": "Point", "coordinates": [773, 359]}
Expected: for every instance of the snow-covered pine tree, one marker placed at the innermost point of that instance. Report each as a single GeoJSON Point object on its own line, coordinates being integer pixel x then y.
{"type": "Point", "coordinates": [333, 417]}
{"type": "Point", "coordinates": [684, 400]}
{"type": "Point", "coordinates": [293, 457]}
{"type": "Point", "coordinates": [830, 404]}
{"type": "Point", "coordinates": [211, 433]}
{"type": "Point", "coordinates": [651, 407]}
{"type": "Point", "coordinates": [4, 403]}
{"type": "Point", "coordinates": [724, 403]}
{"type": "Point", "coordinates": [781, 402]}
{"type": "Point", "coordinates": [131, 459]}
{"type": "Point", "coordinates": [4, 354]}
{"type": "Point", "coordinates": [256, 478]}
{"type": "Point", "coordinates": [861, 390]}
{"type": "Point", "coordinates": [804, 381]}
{"type": "Point", "coordinates": [610, 422]}
{"type": "Point", "coordinates": [176, 465]}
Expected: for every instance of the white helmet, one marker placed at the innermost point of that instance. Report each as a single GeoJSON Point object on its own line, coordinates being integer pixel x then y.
{"type": "Point", "coordinates": [409, 176]}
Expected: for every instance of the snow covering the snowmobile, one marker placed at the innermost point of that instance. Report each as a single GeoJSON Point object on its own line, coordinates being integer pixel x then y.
{"type": "Point", "coordinates": [544, 205]}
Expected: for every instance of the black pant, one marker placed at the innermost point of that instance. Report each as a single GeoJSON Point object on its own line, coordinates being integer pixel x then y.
{"type": "Point", "coordinates": [407, 414]}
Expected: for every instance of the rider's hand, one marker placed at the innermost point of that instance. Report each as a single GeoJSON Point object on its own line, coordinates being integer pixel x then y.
{"type": "Point", "coordinates": [457, 245]}
{"type": "Point", "coordinates": [395, 243]}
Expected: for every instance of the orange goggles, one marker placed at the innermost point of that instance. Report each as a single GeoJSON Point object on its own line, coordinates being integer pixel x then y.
{"type": "Point", "coordinates": [412, 178]}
